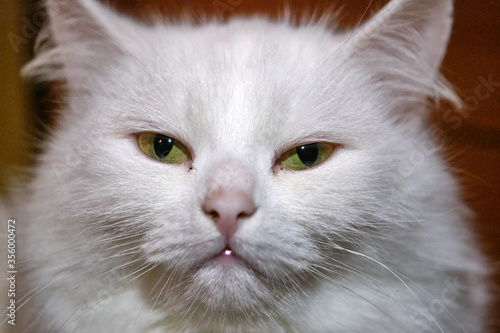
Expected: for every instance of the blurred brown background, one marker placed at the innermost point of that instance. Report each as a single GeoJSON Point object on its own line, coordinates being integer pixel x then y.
{"type": "Point", "coordinates": [473, 137]}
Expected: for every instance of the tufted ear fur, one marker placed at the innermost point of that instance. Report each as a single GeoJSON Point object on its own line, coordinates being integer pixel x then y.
{"type": "Point", "coordinates": [82, 35]}
{"type": "Point", "coordinates": [404, 45]}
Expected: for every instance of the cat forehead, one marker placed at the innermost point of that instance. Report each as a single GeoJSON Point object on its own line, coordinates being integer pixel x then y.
{"type": "Point", "coordinates": [246, 77]}
{"type": "Point", "coordinates": [243, 49]}
{"type": "Point", "coordinates": [246, 38]}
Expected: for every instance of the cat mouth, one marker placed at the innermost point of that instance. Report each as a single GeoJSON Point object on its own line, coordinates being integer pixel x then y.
{"type": "Point", "coordinates": [227, 257]}
{"type": "Point", "coordinates": [227, 254]}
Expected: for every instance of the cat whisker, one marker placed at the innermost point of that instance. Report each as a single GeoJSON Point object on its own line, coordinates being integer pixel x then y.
{"type": "Point", "coordinates": [70, 320]}
{"type": "Point", "coordinates": [396, 275]}
{"type": "Point", "coordinates": [148, 296]}
{"type": "Point", "coordinates": [33, 293]}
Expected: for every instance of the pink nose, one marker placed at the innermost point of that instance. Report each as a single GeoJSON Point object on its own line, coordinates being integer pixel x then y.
{"type": "Point", "coordinates": [228, 209]}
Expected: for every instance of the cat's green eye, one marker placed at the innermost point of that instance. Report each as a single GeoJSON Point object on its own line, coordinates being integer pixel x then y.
{"type": "Point", "coordinates": [163, 148]}
{"type": "Point", "coordinates": [306, 156]}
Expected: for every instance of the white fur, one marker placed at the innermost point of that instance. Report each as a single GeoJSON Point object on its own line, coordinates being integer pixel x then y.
{"type": "Point", "coordinates": [372, 240]}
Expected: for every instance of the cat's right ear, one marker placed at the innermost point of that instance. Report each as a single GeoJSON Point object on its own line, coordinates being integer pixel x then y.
{"type": "Point", "coordinates": [403, 46]}
{"type": "Point", "coordinates": [82, 36]}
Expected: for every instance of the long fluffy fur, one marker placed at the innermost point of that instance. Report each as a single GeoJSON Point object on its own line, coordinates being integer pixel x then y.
{"type": "Point", "coordinates": [373, 239]}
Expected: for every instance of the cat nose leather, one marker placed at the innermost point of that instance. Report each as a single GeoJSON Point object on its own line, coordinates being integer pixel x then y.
{"type": "Point", "coordinates": [228, 209]}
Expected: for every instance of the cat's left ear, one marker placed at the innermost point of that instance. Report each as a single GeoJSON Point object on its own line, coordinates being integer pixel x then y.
{"type": "Point", "coordinates": [86, 21]}
{"type": "Point", "coordinates": [84, 36]}
{"type": "Point", "coordinates": [404, 43]}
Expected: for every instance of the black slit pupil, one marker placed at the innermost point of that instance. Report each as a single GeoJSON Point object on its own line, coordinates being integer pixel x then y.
{"type": "Point", "coordinates": [308, 154]}
{"type": "Point", "coordinates": [163, 145]}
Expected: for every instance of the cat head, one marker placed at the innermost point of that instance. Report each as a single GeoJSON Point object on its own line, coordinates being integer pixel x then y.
{"type": "Point", "coordinates": [286, 144]}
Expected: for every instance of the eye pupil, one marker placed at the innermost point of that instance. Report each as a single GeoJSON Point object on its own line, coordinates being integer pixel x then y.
{"type": "Point", "coordinates": [163, 145]}
{"type": "Point", "coordinates": [308, 154]}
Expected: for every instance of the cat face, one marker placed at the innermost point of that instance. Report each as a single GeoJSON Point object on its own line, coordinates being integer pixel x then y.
{"type": "Point", "coordinates": [235, 120]}
{"type": "Point", "coordinates": [226, 224]}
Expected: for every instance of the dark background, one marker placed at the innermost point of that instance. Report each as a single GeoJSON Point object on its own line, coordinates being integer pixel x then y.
{"type": "Point", "coordinates": [473, 140]}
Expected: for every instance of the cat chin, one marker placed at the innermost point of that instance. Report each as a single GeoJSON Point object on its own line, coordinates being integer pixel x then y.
{"type": "Point", "coordinates": [223, 285]}
{"type": "Point", "coordinates": [234, 295]}
{"type": "Point", "coordinates": [222, 293]}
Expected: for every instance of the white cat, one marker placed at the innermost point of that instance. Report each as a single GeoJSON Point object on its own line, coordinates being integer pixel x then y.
{"type": "Point", "coordinates": [249, 176]}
